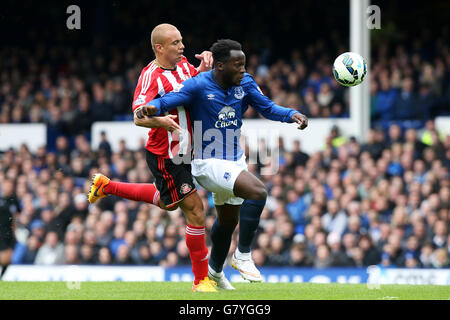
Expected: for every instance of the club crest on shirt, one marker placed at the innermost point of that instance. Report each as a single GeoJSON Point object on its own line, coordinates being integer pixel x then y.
{"type": "Point", "coordinates": [239, 92]}
{"type": "Point", "coordinates": [227, 176]}
{"type": "Point", "coordinates": [226, 117]}
{"type": "Point", "coordinates": [185, 188]}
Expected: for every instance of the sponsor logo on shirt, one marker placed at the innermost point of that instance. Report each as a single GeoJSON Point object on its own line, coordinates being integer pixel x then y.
{"type": "Point", "coordinates": [226, 118]}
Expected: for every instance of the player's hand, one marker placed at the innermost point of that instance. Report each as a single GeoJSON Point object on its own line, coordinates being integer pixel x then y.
{"type": "Point", "coordinates": [145, 111]}
{"type": "Point", "coordinates": [168, 122]}
{"type": "Point", "coordinates": [301, 120]}
{"type": "Point", "coordinates": [206, 61]}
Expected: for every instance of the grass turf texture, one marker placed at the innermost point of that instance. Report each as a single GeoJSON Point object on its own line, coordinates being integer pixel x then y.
{"type": "Point", "coordinates": [244, 291]}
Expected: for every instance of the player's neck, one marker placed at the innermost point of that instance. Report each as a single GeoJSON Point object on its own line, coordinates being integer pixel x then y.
{"type": "Point", "coordinates": [220, 81]}
{"type": "Point", "coordinates": [164, 64]}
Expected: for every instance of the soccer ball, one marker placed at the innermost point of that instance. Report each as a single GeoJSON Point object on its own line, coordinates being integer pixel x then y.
{"type": "Point", "coordinates": [349, 69]}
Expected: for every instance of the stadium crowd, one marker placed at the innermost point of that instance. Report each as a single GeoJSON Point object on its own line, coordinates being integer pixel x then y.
{"type": "Point", "coordinates": [385, 201]}
{"type": "Point", "coordinates": [70, 89]}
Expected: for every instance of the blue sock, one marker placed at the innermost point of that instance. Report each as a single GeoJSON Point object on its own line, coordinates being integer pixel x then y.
{"type": "Point", "coordinates": [248, 223]}
{"type": "Point", "coordinates": [221, 241]}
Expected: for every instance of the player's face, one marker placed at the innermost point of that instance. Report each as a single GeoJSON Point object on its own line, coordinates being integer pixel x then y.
{"type": "Point", "coordinates": [234, 68]}
{"type": "Point", "coordinates": [173, 46]}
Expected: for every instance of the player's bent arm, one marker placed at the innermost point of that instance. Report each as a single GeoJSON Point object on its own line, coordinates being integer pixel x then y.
{"type": "Point", "coordinates": [146, 122]}
{"type": "Point", "coordinates": [166, 122]}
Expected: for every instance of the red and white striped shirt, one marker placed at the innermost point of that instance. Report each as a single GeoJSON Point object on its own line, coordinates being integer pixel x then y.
{"type": "Point", "coordinates": [155, 82]}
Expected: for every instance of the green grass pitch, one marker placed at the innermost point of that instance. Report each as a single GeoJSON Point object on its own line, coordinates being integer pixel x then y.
{"type": "Point", "coordinates": [244, 291]}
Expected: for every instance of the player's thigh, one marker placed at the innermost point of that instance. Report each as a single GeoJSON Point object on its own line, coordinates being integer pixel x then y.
{"type": "Point", "coordinates": [228, 215]}
{"type": "Point", "coordinates": [248, 186]}
{"type": "Point", "coordinates": [217, 175]}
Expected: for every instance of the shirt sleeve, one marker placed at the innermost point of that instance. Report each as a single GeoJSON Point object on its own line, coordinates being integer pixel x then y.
{"type": "Point", "coordinates": [146, 90]}
{"type": "Point", "coordinates": [181, 95]}
{"type": "Point", "coordinates": [193, 70]}
{"type": "Point", "coordinates": [267, 108]}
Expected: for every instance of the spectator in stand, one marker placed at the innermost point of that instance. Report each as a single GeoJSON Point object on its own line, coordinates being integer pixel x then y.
{"type": "Point", "coordinates": [440, 258]}
{"type": "Point", "coordinates": [300, 157]}
{"type": "Point", "coordinates": [440, 234]}
{"type": "Point", "coordinates": [384, 108]}
{"type": "Point", "coordinates": [104, 256]}
{"type": "Point", "coordinates": [405, 105]}
{"type": "Point", "coordinates": [323, 258]}
{"type": "Point", "coordinates": [87, 254]}
{"type": "Point", "coordinates": [371, 256]}
{"type": "Point", "coordinates": [51, 252]}
{"type": "Point", "coordinates": [335, 220]}
{"type": "Point", "coordinates": [299, 256]}
{"type": "Point", "coordinates": [32, 249]}
{"type": "Point", "coordinates": [104, 146]}
{"type": "Point", "coordinates": [339, 258]}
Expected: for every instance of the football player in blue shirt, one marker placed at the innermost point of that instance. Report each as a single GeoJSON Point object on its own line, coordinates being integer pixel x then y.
{"type": "Point", "coordinates": [216, 101]}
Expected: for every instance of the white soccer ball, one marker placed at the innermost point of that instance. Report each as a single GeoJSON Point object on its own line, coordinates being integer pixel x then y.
{"type": "Point", "coordinates": [349, 69]}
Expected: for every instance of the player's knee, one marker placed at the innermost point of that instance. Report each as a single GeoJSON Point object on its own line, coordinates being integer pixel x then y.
{"type": "Point", "coordinates": [193, 209]}
{"type": "Point", "coordinates": [261, 194]}
{"type": "Point", "coordinates": [196, 217]}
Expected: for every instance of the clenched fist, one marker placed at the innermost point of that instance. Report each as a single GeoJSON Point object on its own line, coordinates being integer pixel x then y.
{"type": "Point", "coordinates": [301, 120]}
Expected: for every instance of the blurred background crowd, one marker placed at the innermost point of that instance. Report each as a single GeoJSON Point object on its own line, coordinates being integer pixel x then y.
{"type": "Point", "coordinates": [354, 203]}
{"type": "Point", "coordinates": [385, 201]}
{"type": "Point", "coordinates": [69, 80]}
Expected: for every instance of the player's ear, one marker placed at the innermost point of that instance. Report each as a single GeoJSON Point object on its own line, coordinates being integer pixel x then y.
{"type": "Point", "coordinates": [219, 65]}
{"type": "Point", "coordinates": [158, 47]}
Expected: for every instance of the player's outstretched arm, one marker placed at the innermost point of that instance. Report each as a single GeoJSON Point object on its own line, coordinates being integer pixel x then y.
{"type": "Point", "coordinates": [167, 122]}
{"type": "Point", "coordinates": [267, 108]}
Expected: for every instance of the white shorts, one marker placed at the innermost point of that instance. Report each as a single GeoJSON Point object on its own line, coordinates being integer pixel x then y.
{"type": "Point", "coordinates": [218, 176]}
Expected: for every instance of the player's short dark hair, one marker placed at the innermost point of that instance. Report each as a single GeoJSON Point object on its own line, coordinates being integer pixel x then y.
{"type": "Point", "coordinates": [221, 49]}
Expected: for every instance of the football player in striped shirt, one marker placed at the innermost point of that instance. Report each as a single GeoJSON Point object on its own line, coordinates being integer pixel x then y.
{"type": "Point", "coordinates": [169, 136]}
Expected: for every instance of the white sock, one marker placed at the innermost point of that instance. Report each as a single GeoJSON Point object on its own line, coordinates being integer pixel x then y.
{"type": "Point", "coordinates": [242, 256]}
{"type": "Point", "coordinates": [214, 273]}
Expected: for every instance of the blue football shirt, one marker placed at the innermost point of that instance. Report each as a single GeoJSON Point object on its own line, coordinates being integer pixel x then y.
{"type": "Point", "coordinates": [216, 113]}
